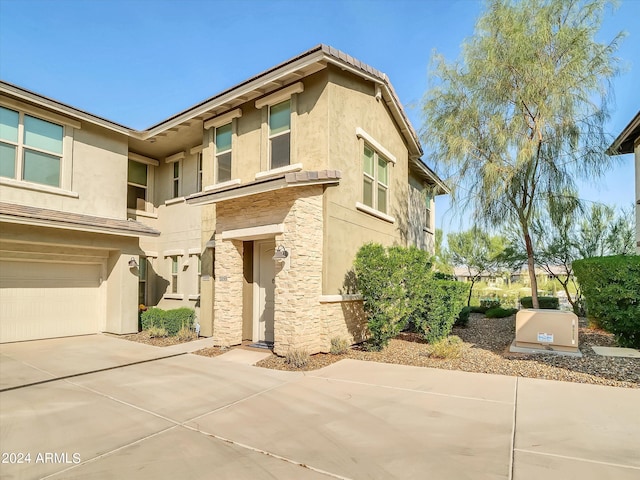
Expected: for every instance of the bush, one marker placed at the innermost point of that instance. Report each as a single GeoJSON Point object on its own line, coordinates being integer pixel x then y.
{"type": "Point", "coordinates": [392, 285]}
{"type": "Point", "coordinates": [611, 289]}
{"type": "Point", "coordinates": [399, 289]}
{"type": "Point", "coordinates": [171, 320]}
{"type": "Point", "coordinates": [500, 312]}
{"type": "Point", "coordinates": [547, 303]}
{"type": "Point", "coordinates": [489, 303]}
{"type": "Point", "coordinates": [186, 334]}
{"type": "Point", "coordinates": [157, 332]}
{"type": "Point", "coordinates": [298, 357]}
{"type": "Point", "coordinates": [449, 347]}
{"type": "Point", "coordinates": [443, 302]}
{"type": "Point", "coordinates": [478, 309]}
{"type": "Point", "coordinates": [339, 346]}
{"type": "Point", "coordinates": [463, 317]}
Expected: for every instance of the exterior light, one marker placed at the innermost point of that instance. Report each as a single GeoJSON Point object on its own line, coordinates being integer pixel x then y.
{"type": "Point", "coordinates": [133, 263]}
{"type": "Point", "coordinates": [280, 253]}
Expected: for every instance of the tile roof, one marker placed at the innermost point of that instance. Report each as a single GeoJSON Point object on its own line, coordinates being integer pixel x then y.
{"type": "Point", "coordinates": [34, 215]}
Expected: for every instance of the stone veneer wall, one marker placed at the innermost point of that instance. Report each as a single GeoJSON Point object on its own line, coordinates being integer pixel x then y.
{"type": "Point", "coordinates": [300, 320]}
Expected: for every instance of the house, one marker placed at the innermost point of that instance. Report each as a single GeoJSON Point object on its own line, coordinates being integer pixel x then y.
{"type": "Point", "coordinates": [629, 142]}
{"type": "Point", "coordinates": [249, 207]}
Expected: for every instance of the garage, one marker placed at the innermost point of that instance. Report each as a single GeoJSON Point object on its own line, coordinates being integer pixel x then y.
{"type": "Point", "coordinates": [45, 300]}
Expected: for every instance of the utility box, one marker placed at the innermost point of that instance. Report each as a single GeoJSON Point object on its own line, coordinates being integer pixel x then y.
{"type": "Point", "coordinates": [550, 330]}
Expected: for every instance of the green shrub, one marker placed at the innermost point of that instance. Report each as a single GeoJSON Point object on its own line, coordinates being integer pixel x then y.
{"type": "Point", "coordinates": [489, 303]}
{"type": "Point", "coordinates": [547, 303]}
{"type": "Point", "coordinates": [448, 347]}
{"type": "Point", "coordinates": [298, 357]}
{"type": "Point", "coordinates": [339, 346]}
{"type": "Point", "coordinates": [478, 309]}
{"type": "Point", "coordinates": [463, 317]}
{"type": "Point", "coordinates": [171, 320]}
{"type": "Point", "coordinates": [399, 289]}
{"type": "Point", "coordinates": [157, 332]}
{"type": "Point", "coordinates": [500, 312]}
{"type": "Point", "coordinates": [392, 285]}
{"type": "Point", "coordinates": [611, 289]}
{"type": "Point", "coordinates": [443, 302]}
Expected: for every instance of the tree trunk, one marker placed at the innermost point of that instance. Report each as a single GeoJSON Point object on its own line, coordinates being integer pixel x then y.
{"type": "Point", "coordinates": [470, 291]}
{"type": "Point", "coordinates": [532, 269]}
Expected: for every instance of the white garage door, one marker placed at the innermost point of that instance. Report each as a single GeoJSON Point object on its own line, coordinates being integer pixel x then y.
{"type": "Point", "coordinates": [45, 300]}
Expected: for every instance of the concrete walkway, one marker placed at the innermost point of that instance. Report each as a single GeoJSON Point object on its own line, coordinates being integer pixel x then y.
{"type": "Point", "coordinates": [188, 416]}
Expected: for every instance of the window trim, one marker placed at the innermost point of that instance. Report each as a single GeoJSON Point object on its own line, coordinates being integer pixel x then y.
{"type": "Point", "coordinates": [137, 185]}
{"type": "Point", "coordinates": [216, 153]}
{"type": "Point", "coordinates": [271, 136]}
{"type": "Point", "coordinates": [365, 141]}
{"type": "Point", "coordinates": [66, 157]}
{"type": "Point", "coordinates": [287, 93]}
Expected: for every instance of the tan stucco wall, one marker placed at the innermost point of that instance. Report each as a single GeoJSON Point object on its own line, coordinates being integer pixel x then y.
{"type": "Point", "coordinates": [353, 104]}
{"type": "Point", "coordinates": [98, 184]}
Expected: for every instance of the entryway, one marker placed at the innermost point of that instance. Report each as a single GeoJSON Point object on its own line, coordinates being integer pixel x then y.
{"type": "Point", "coordinates": [263, 291]}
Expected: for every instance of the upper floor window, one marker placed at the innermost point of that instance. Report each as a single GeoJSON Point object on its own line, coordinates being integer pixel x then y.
{"type": "Point", "coordinates": [199, 169]}
{"type": "Point", "coordinates": [223, 136]}
{"type": "Point", "coordinates": [174, 274]}
{"type": "Point", "coordinates": [427, 222]}
{"type": "Point", "coordinates": [176, 179]}
{"type": "Point", "coordinates": [280, 134]}
{"type": "Point", "coordinates": [137, 186]}
{"type": "Point", "coordinates": [31, 149]}
{"type": "Point", "coordinates": [375, 188]}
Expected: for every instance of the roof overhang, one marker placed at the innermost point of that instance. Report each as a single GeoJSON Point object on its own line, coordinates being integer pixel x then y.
{"type": "Point", "coordinates": [626, 140]}
{"type": "Point", "coordinates": [42, 217]}
{"type": "Point", "coordinates": [429, 176]}
{"type": "Point", "coordinates": [289, 180]}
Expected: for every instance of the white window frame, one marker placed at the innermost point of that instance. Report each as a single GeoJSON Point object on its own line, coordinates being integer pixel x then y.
{"type": "Point", "coordinates": [143, 267]}
{"type": "Point", "coordinates": [176, 184]}
{"type": "Point", "coordinates": [150, 163]}
{"type": "Point", "coordinates": [427, 220]}
{"type": "Point", "coordinates": [217, 153]}
{"type": "Point", "coordinates": [279, 134]}
{"type": "Point", "coordinates": [379, 152]}
{"type": "Point", "coordinates": [289, 93]}
{"type": "Point", "coordinates": [212, 124]}
{"type": "Point", "coordinates": [199, 171]}
{"type": "Point", "coordinates": [66, 160]}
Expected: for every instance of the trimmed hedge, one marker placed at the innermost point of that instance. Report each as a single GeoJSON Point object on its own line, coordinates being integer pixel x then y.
{"type": "Point", "coordinates": [547, 303]}
{"type": "Point", "coordinates": [489, 303]}
{"type": "Point", "coordinates": [499, 312]}
{"type": "Point", "coordinates": [463, 317]}
{"type": "Point", "coordinates": [399, 289]}
{"type": "Point", "coordinates": [611, 289]}
{"type": "Point", "coordinates": [170, 320]}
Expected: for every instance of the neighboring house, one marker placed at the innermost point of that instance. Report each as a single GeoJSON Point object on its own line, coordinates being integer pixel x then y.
{"type": "Point", "coordinates": [629, 142]}
{"type": "Point", "coordinates": [249, 207]}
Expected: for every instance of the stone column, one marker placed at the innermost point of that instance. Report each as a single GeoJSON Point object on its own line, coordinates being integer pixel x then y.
{"type": "Point", "coordinates": [227, 305]}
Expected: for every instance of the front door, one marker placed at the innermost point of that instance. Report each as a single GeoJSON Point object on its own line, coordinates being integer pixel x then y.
{"type": "Point", "coordinates": [265, 285]}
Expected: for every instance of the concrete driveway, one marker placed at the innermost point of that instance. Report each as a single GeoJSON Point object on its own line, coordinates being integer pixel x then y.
{"type": "Point", "coordinates": [170, 416]}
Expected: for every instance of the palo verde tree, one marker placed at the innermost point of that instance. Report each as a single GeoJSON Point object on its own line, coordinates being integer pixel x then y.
{"type": "Point", "coordinates": [520, 117]}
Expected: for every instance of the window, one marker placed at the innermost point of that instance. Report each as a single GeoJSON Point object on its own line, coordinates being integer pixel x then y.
{"type": "Point", "coordinates": [199, 273]}
{"type": "Point", "coordinates": [375, 187]}
{"type": "Point", "coordinates": [427, 220]}
{"type": "Point", "coordinates": [280, 134]}
{"type": "Point", "coordinates": [176, 179]}
{"type": "Point", "coordinates": [137, 186]}
{"type": "Point", "coordinates": [199, 179]}
{"type": "Point", "coordinates": [31, 149]}
{"type": "Point", "coordinates": [223, 136]}
{"type": "Point", "coordinates": [142, 281]}
{"type": "Point", "coordinates": [174, 274]}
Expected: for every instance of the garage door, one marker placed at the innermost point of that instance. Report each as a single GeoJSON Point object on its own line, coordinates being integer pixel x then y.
{"type": "Point", "coordinates": [45, 300]}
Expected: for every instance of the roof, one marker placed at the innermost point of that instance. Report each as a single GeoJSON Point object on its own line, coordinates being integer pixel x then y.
{"type": "Point", "coordinates": [23, 214]}
{"type": "Point", "coordinates": [625, 141]}
{"type": "Point", "coordinates": [290, 71]}
{"type": "Point", "coordinates": [286, 180]}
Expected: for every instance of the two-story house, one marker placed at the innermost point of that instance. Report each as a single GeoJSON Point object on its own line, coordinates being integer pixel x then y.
{"type": "Point", "coordinates": [249, 207]}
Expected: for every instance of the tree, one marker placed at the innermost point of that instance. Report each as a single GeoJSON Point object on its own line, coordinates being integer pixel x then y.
{"type": "Point", "coordinates": [442, 262]}
{"type": "Point", "coordinates": [521, 116]}
{"type": "Point", "coordinates": [476, 251]}
{"type": "Point", "coordinates": [571, 236]}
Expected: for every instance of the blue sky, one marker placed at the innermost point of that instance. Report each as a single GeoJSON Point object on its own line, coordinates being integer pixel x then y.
{"type": "Point", "coordinates": [137, 62]}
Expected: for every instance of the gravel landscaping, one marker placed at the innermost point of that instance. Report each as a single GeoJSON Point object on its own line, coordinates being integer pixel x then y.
{"type": "Point", "coordinates": [144, 337]}
{"type": "Point", "coordinates": [486, 350]}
